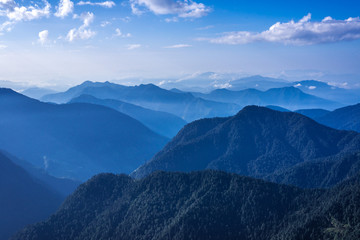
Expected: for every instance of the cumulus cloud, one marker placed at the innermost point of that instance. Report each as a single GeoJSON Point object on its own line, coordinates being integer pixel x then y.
{"type": "Point", "coordinates": [83, 32]}
{"type": "Point", "coordinates": [64, 9]}
{"type": "Point", "coordinates": [118, 33]}
{"type": "Point", "coordinates": [184, 8]}
{"type": "Point", "coordinates": [43, 37]}
{"type": "Point", "coordinates": [303, 32]}
{"type": "Point", "coordinates": [23, 13]}
{"type": "Point", "coordinates": [106, 4]}
{"type": "Point", "coordinates": [16, 13]}
{"type": "Point", "coordinates": [133, 46]}
{"type": "Point", "coordinates": [178, 46]}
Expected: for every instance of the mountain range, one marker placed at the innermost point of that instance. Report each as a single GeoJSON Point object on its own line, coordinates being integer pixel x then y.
{"type": "Point", "coordinates": [287, 97]}
{"type": "Point", "coordinates": [306, 163]}
{"type": "Point", "coordinates": [183, 105]}
{"type": "Point", "coordinates": [24, 199]}
{"type": "Point", "coordinates": [207, 82]}
{"type": "Point", "coordinates": [163, 123]}
{"type": "Point", "coordinates": [258, 82]}
{"type": "Point", "coordinates": [73, 140]}
{"type": "Point", "coordinates": [324, 90]}
{"type": "Point", "coordinates": [256, 142]}
{"type": "Point", "coordinates": [201, 205]}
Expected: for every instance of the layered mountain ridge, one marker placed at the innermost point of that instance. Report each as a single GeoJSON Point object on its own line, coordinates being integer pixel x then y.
{"type": "Point", "coordinates": [73, 140]}
{"type": "Point", "coordinates": [163, 123]}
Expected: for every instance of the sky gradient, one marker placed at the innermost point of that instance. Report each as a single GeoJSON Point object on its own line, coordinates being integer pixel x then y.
{"type": "Point", "coordinates": [51, 43]}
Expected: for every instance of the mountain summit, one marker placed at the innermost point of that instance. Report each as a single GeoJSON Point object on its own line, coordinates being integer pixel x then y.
{"type": "Point", "coordinates": [255, 142]}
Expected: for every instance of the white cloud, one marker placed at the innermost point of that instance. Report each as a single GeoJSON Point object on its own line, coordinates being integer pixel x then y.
{"type": "Point", "coordinates": [173, 19]}
{"type": "Point", "coordinates": [133, 46]}
{"type": "Point", "coordinates": [134, 9]}
{"type": "Point", "coordinates": [43, 37]}
{"type": "Point", "coordinates": [183, 9]}
{"type": "Point", "coordinates": [224, 85]}
{"type": "Point", "coordinates": [5, 1]}
{"type": "Point", "coordinates": [83, 32]}
{"type": "Point", "coordinates": [6, 26]}
{"type": "Point", "coordinates": [2, 46]}
{"type": "Point", "coordinates": [126, 19]}
{"type": "Point", "coordinates": [179, 46]}
{"type": "Point", "coordinates": [303, 32]}
{"type": "Point", "coordinates": [105, 23]}
{"type": "Point", "coordinates": [312, 87]}
{"type": "Point", "coordinates": [28, 13]}
{"type": "Point", "coordinates": [65, 8]}
{"type": "Point", "coordinates": [87, 18]}
{"type": "Point", "coordinates": [206, 27]}
{"type": "Point", "coordinates": [118, 33]}
{"type": "Point", "coordinates": [106, 4]}
{"type": "Point", "coordinates": [16, 13]}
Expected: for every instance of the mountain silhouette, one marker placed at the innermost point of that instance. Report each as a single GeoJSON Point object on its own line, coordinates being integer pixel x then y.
{"type": "Point", "coordinates": [74, 140]}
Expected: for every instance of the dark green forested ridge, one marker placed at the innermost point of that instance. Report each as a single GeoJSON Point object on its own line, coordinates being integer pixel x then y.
{"type": "Point", "coordinates": [201, 205]}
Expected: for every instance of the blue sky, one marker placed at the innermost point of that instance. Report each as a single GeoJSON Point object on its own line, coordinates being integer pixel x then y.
{"type": "Point", "coordinates": [50, 43]}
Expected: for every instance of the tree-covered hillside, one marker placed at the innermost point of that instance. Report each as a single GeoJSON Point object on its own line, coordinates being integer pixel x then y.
{"type": "Point", "coordinates": [201, 205]}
